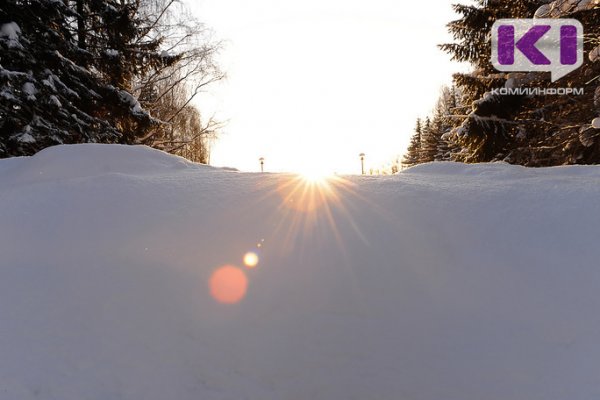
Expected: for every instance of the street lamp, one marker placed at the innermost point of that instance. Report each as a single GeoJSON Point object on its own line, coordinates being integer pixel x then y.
{"type": "Point", "coordinates": [262, 164]}
{"type": "Point", "coordinates": [362, 162]}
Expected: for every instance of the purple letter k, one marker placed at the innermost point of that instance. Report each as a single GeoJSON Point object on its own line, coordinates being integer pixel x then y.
{"type": "Point", "coordinates": [506, 40]}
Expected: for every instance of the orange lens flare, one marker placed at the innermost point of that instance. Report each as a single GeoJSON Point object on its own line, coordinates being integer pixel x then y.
{"type": "Point", "coordinates": [228, 285]}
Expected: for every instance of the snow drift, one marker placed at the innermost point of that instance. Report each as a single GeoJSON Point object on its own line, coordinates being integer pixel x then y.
{"type": "Point", "coordinates": [444, 282]}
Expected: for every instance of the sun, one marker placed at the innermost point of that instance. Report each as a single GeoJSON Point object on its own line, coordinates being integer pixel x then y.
{"type": "Point", "coordinates": [315, 175]}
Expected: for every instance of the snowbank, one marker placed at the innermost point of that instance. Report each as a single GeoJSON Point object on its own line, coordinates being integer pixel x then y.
{"type": "Point", "coordinates": [91, 160]}
{"type": "Point", "coordinates": [443, 282]}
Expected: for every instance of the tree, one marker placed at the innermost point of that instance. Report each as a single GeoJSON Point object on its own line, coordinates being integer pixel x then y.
{"type": "Point", "coordinates": [444, 120]}
{"type": "Point", "coordinates": [413, 154]}
{"type": "Point", "coordinates": [487, 130]}
{"type": "Point", "coordinates": [87, 71]}
{"type": "Point", "coordinates": [559, 131]}
{"type": "Point", "coordinates": [183, 131]}
{"type": "Point", "coordinates": [169, 93]}
{"type": "Point", "coordinates": [529, 130]}
{"type": "Point", "coordinates": [47, 95]}
{"type": "Point", "coordinates": [429, 142]}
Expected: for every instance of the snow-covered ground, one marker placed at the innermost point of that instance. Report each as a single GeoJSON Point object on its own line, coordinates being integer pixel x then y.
{"type": "Point", "coordinates": [445, 282]}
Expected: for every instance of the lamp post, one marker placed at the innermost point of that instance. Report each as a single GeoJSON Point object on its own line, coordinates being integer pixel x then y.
{"type": "Point", "coordinates": [362, 162]}
{"type": "Point", "coordinates": [262, 164]}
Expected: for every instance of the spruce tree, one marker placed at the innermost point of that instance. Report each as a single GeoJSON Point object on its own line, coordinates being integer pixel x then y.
{"type": "Point", "coordinates": [66, 73]}
{"type": "Point", "coordinates": [560, 131]}
{"type": "Point", "coordinates": [443, 144]}
{"type": "Point", "coordinates": [429, 142]}
{"type": "Point", "coordinates": [535, 130]}
{"type": "Point", "coordinates": [487, 131]}
{"type": "Point", "coordinates": [442, 122]}
{"type": "Point", "coordinates": [413, 154]}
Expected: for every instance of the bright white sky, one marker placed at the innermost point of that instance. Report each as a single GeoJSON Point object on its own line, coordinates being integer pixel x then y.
{"type": "Point", "coordinates": [313, 83]}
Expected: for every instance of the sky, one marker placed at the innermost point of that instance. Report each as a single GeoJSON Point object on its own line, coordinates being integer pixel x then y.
{"type": "Point", "coordinates": [312, 84]}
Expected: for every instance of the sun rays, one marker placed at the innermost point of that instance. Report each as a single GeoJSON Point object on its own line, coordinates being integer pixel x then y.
{"type": "Point", "coordinates": [310, 205]}
{"type": "Point", "coordinates": [313, 175]}
{"type": "Point", "coordinates": [306, 211]}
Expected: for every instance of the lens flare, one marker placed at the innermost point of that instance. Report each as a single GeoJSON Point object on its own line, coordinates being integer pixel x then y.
{"type": "Point", "coordinates": [228, 285]}
{"type": "Point", "coordinates": [251, 259]}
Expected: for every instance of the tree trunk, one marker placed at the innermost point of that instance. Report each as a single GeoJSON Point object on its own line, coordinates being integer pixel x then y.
{"type": "Point", "coordinates": [80, 25]}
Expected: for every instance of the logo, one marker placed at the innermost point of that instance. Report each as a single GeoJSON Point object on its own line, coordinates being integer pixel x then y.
{"type": "Point", "coordinates": [537, 45]}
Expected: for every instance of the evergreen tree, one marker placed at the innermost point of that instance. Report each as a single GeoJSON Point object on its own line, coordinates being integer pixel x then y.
{"type": "Point", "coordinates": [442, 142]}
{"type": "Point", "coordinates": [413, 154]}
{"type": "Point", "coordinates": [72, 71]}
{"type": "Point", "coordinates": [559, 128]}
{"type": "Point", "coordinates": [442, 122]}
{"type": "Point", "coordinates": [488, 130]}
{"type": "Point", "coordinates": [48, 95]}
{"type": "Point", "coordinates": [537, 130]}
{"type": "Point", "coordinates": [429, 142]}
{"type": "Point", "coordinates": [433, 139]}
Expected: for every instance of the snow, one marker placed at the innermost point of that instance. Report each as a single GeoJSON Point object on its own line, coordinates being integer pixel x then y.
{"type": "Point", "coordinates": [26, 137]}
{"type": "Point", "coordinates": [595, 54]}
{"type": "Point", "coordinates": [71, 64]}
{"type": "Point", "coordinates": [128, 98]}
{"type": "Point", "coordinates": [8, 95]}
{"type": "Point", "coordinates": [543, 11]}
{"type": "Point", "coordinates": [561, 8]}
{"type": "Point", "coordinates": [50, 82]}
{"type": "Point", "coordinates": [583, 5]}
{"type": "Point", "coordinates": [29, 90]}
{"type": "Point", "coordinates": [54, 101]}
{"type": "Point", "coordinates": [521, 134]}
{"type": "Point", "coordinates": [446, 281]}
{"type": "Point", "coordinates": [511, 83]}
{"type": "Point", "coordinates": [7, 74]}
{"type": "Point", "coordinates": [10, 32]}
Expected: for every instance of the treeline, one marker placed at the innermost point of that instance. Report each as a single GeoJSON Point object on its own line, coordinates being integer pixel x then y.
{"type": "Point", "coordinates": [432, 139]}
{"type": "Point", "coordinates": [473, 123]}
{"type": "Point", "coordinates": [105, 71]}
